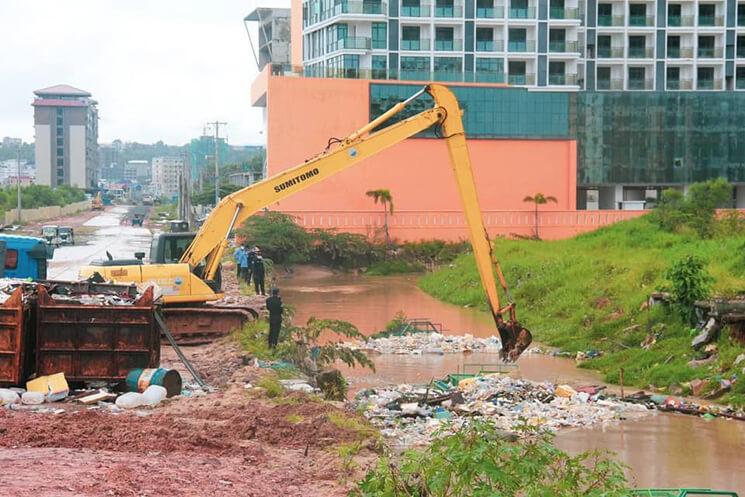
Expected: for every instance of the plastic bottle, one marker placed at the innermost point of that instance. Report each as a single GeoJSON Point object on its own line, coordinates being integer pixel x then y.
{"type": "Point", "coordinates": [130, 400]}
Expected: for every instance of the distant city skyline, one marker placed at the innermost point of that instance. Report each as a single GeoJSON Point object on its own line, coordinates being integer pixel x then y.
{"type": "Point", "coordinates": [159, 70]}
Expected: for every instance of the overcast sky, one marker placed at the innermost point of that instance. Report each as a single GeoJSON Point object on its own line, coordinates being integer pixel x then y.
{"type": "Point", "coordinates": [159, 69]}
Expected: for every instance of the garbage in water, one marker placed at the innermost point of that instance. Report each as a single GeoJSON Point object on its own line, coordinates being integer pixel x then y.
{"type": "Point", "coordinates": [427, 343]}
{"type": "Point", "coordinates": [411, 415]}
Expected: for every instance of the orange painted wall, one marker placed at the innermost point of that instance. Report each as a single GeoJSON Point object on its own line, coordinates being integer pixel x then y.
{"type": "Point", "coordinates": [296, 33]}
{"type": "Point", "coordinates": [303, 113]}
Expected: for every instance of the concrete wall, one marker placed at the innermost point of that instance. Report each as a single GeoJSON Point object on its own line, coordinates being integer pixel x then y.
{"type": "Point", "coordinates": [45, 213]}
{"type": "Point", "coordinates": [43, 148]}
{"type": "Point", "coordinates": [303, 113]}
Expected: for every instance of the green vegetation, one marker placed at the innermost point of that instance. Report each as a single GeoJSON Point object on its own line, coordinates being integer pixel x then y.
{"type": "Point", "coordinates": [690, 282]}
{"type": "Point", "coordinates": [475, 461]}
{"type": "Point", "coordinates": [386, 200]}
{"type": "Point", "coordinates": [165, 210]}
{"type": "Point", "coordinates": [34, 196]}
{"type": "Point", "coordinates": [270, 383]}
{"type": "Point", "coordinates": [295, 419]}
{"type": "Point", "coordinates": [285, 242]}
{"type": "Point", "coordinates": [536, 200]}
{"type": "Point", "coordinates": [589, 293]}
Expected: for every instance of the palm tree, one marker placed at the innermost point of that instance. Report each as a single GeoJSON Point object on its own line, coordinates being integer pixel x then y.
{"type": "Point", "coordinates": [386, 200]}
{"type": "Point", "coordinates": [539, 199]}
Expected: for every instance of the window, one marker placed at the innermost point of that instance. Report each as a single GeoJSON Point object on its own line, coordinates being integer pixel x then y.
{"type": "Point", "coordinates": [410, 38]}
{"type": "Point", "coordinates": [557, 9]}
{"type": "Point", "coordinates": [636, 78]}
{"type": "Point", "coordinates": [706, 46]}
{"type": "Point", "coordinates": [444, 8]}
{"type": "Point", "coordinates": [673, 78]}
{"type": "Point", "coordinates": [741, 46]}
{"type": "Point", "coordinates": [448, 68]}
{"type": "Point", "coordinates": [740, 78]}
{"type": "Point", "coordinates": [379, 35]}
{"type": "Point", "coordinates": [604, 46]}
{"type": "Point", "coordinates": [484, 39]}
{"type": "Point", "coordinates": [604, 78]}
{"type": "Point", "coordinates": [557, 40]}
{"type": "Point", "coordinates": [411, 8]}
{"type": "Point", "coordinates": [673, 47]}
{"type": "Point", "coordinates": [517, 40]}
{"type": "Point", "coordinates": [489, 70]}
{"type": "Point", "coordinates": [706, 14]}
{"type": "Point", "coordinates": [705, 76]}
{"type": "Point", "coordinates": [605, 14]}
{"type": "Point", "coordinates": [444, 39]}
{"type": "Point", "coordinates": [60, 161]}
{"type": "Point", "coordinates": [379, 66]}
{"type": "Point", "coordinates": [519, 9]}
{"type": "Point", "coordinates": [516, 69]}
{"type": "Point", "coordinates": [673, 14]}
{"type": "Point", "coordinates": [11, 259]}
{"type": "Point", "coordinates": [637, 46]}
{"type": "Point", "coordinates": [415, 68]}
{"type": "Point", "coordinates": [556, 73]}
{"type": "Point", "coordinates": [741, 14]}
{"type": "Point", "coordinates": [637, 14]}
{"type": "Point", "coordinates": [485, 9]}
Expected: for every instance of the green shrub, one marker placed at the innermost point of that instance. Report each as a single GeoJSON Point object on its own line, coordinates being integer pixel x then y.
{"type": "Point", "coordinates": [271, 384]}
{"type": "Point", "coordinates": [689, 282]}
{"type": "Point", "coordinates": [278, 237]}
{"type": "Point", "coordinates": [476, 461]}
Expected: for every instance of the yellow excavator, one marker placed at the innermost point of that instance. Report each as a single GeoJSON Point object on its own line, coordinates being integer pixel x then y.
{"type": "Point", "coordinates": [193, 280]}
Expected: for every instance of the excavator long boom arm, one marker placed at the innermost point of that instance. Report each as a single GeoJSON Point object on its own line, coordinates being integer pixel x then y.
{"type": "Point", "coordinates": [211, 240]}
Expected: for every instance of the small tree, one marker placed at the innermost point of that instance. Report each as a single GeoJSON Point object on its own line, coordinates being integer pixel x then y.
{"type": "Point", "coordinates": [386, 200]}
{"type": "Point", "coordinates": [278, 236]}
{"type": "Point", "coordinates": [690, 282]}
{"type": "Point", "coordinates": [539, 199]}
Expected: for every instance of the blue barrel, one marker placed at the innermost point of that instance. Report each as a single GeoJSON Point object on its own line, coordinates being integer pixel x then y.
{"type": "Point", "coordinates": [139, 379]}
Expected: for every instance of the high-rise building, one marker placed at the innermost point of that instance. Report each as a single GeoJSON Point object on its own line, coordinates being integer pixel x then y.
{"type": "Point", "coordinates": [66, 124]}
{"type": "Point", "coordinates": [563, 44]}
{"type": "Point", "coordinates": [166, 174]}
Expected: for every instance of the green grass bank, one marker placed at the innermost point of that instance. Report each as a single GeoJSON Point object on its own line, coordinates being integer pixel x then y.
{"type": "Point", "coordinates": [587, 293]}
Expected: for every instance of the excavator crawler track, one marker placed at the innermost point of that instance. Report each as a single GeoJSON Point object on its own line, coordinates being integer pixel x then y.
{"type": "Point", "coordinates": [199, 324]}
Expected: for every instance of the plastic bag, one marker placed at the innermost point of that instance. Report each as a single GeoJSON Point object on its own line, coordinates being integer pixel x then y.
{"type": "Point", "coordinates": [33, 398]}
{"type": "Point", "coordinates": [154, 395]}
{"type": "Point", "coordinates": [8, 397]}
{"type": "Point", "coordinates": [130, 400]}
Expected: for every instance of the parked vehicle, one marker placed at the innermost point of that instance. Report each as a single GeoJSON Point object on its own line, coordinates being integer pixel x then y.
{"type": "Point", "coordinates": [66, 235]}
{"type": "Point", "coordinates": [137, 219]}
{"type": "Point", "coordinates": [50, 233]}
{"type": "Point", "coordinates": [24, 257]}
{"type": "Point", "coordinates": [147, 199]}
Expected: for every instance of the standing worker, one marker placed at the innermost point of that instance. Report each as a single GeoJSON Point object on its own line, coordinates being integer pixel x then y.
{"type": "Point", "coordinates": [258, 274]}
{"type": "Point", "coordinates": [251, 254]}
{"type": "Point", "coordinates": [245, 266]}
{"type": "Point", "coordinates": [274, 306]}
{"type": "Point", "coordinates": [240, 252]}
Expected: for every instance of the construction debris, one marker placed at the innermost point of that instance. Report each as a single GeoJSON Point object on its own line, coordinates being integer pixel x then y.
{"type": "Point", "coordinates": [411, 415]}
{"type": "Point", "coordinates": [428, 343]}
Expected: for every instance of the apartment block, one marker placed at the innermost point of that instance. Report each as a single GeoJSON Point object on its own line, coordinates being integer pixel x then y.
{"type": "Point", "coordinates": [626, 45]}
{"type": "Point", "coordinates": [66, 126]}
{"type": "Point", "coordinates": [166, 174]}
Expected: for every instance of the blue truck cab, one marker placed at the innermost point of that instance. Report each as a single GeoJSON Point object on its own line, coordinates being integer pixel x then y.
{"type": "Point", "coordinates": [24, 257]}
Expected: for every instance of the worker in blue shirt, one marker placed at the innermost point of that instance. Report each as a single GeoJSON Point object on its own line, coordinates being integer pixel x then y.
{"type": "Point", "coordinates": [239, 253]}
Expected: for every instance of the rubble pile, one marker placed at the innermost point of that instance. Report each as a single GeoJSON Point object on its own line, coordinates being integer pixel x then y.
{"type": "Point", "coordinates": [427, 343]}
{"type": "Point", "coordinates": [410, 415]}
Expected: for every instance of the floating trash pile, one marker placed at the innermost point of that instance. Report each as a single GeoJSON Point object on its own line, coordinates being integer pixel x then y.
{"type": "Point", "coordinates": [410, 415]}
{"type": "Point", "coordinates": [428, 343]}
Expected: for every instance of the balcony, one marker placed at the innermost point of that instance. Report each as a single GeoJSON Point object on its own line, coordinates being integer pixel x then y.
{"type": "Point", "coordinates": [563, 46]}
{"type": "Point", "coordinates": [521, 79]}
{"type": "Point", "coordinates": [522, 13]}
{"type": "Point", "coordinates": [709, 21]}
{"type": "Point", "coordinates": [490, 13]}
{"type": "Point", "coordinates": [489, 45]}
{"type": "Point", "coordinates": [454, 76]}
{"type": "Point", "coordinates": [708, 84]}
{"type": "Point", "coordinates": [680, 21]}
{"type": "Point", "coordinates": [421, 10]}
{"type": "Point", "coordinates": [350, 43]}
{"type": "Point", "coordinates": [641, 52]}
{"type": "Point", "coordinates": [679, 53]}
{"type": "Point", "coordinates": [610, 21]}
{"type": "Point", "coordinates": [610, 52]}
{"type": "Point", "coordinates": [448, 45]}
{"type": "Point", "coordinates": [415, 45]}
{"type": "Point", "coordinates": [563, 13]}
{"type": "Point", "coordinates": [610, 84]}
{"type": "Point", "coordinates": [710, 52]}
{"type": "Point", "coordinates": [679, 84]}
{"type": "Point", "coordinates": [521, 46]}
{"type": "Point", "coordinates": [641, 84]}
{"type": "Point", "coordinates": [562, 79]}
{"type": "Point", "coordinates": [489, 77]}
{"type": "Point", "coordinates": [449, 11]}
{"type": "Point", "coordinates": [641, 21]}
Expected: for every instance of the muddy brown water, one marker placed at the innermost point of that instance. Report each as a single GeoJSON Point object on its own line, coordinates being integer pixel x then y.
{"type": "Point", "coordinates": [663, 450]}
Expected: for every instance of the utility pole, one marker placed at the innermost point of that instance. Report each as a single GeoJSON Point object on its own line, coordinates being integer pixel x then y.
{"type": "Point", "coordinates": [18, 182]}
{"type": "Point", "coordinates": [216, 125]}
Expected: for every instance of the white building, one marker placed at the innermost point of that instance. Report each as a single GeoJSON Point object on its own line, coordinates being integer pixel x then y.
{"type": "Point", "coordinates": [66, 124]}
{"type": "Point", "coordinates": [560, 44]}
{"type": "Point", "coordinates": [165, 176]}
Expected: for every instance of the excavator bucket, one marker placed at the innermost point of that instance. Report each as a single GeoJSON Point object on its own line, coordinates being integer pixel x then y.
{"type": "Point", "coordinates": [515, 340]}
